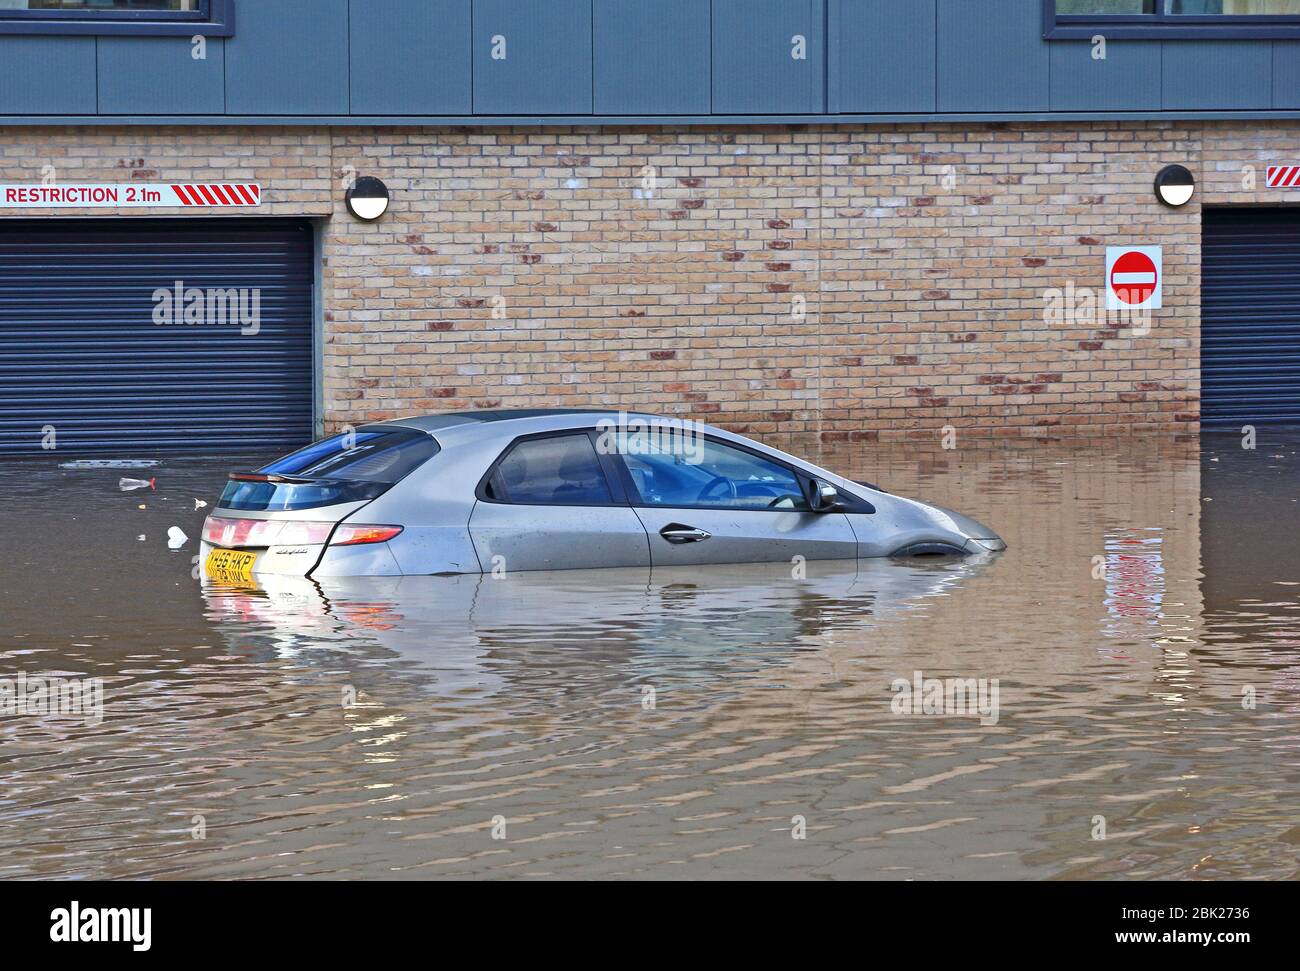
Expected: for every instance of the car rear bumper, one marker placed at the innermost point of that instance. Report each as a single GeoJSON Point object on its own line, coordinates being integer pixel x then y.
{"type": "Point", "coordinates": [374, 559]}
{"type": "Point", "coordinates": [291, 561]}
{"type": "Point", "coordinates": [371, 560]}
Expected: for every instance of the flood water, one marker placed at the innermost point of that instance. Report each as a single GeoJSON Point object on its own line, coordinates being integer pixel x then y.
{"type": "Point", "coordinates": [1143, 630]}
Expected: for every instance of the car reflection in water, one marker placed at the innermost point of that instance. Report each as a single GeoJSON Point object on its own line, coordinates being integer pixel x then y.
{"type": "Point", "coordinates": [469, 632]}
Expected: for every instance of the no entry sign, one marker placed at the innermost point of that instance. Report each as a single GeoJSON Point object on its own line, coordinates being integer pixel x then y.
{"type": "Point", "coordinates": [131, 195]}
{"type": "Point", "coordinates": [1134, 277]}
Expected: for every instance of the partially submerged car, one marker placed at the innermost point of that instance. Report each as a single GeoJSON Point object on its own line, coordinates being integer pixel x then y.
{"type": "Point", "coordinates": [507, 491]}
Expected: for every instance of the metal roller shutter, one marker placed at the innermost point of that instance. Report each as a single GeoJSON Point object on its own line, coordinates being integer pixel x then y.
{"type": "Point", "coordinates": [1250, 316]}
{"type": "Point", "coordinates": [80, 349]}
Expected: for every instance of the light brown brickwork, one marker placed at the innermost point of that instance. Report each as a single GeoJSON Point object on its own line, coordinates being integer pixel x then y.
{"type": "Point", "coordinates": [660, 269]}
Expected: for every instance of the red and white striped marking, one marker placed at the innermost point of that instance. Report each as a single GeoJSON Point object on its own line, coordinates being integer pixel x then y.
{"type": "Point", "coordinates": [1283, 177]}
{"type": "Point", "coordinates": [132, 195]}
{"type": "Point", "coordinates": [219, 194]}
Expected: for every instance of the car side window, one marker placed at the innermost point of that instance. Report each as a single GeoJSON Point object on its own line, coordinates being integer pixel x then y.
{"type": "Point", "coordinates": [559, 471]}
{"type": "Point", "coordinates": [670, 468]}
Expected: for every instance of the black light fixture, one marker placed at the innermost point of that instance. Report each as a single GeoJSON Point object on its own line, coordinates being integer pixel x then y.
{"type": "Point", "coordinates": [367, 198]}
{"type": "Point", "coordinates": [1175, 186]}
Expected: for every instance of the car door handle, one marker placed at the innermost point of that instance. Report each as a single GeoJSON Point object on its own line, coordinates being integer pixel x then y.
{"type": "Point", "coordinates": [677, 534]}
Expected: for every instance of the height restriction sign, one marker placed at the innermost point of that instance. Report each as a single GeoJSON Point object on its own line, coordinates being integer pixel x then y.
{"type": "Point", "coordinates": [1134, 277]}
{"type": "Point", "coordinates": [132, 195]}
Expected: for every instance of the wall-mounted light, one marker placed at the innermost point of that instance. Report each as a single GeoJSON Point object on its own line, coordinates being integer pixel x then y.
{"type": "Point", "coordinates": [367, 198]}
{"type": "Point", "coordinates": [1175, 186]}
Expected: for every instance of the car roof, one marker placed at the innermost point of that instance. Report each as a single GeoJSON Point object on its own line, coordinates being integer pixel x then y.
{"type": "Point", "coordinates": [493, 428]}
{"type": "Point", "coordinates": [453, 419]}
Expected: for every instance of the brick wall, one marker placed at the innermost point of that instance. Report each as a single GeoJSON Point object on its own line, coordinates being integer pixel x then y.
{"type": "Point", "coordinates": [661, 269]}
{"type": "Point", "coordinates": [658, 269]}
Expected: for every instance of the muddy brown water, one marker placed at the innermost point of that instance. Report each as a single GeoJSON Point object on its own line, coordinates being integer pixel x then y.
{"type": "Point", "coordinates": [680, 724]}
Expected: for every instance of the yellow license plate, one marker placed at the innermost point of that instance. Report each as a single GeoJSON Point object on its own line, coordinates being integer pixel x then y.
{"type": "Point", "coordinates": [230, 566]}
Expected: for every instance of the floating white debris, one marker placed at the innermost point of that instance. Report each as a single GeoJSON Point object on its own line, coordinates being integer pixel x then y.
{"type": "Point", "coordinates": [130, 485]}
{"type": "Point", "coordinates": [84, 464]}
{"type": "Point", "coordinates": [200, 504]}
{"type": "Point", "coordinates": [176, 538]}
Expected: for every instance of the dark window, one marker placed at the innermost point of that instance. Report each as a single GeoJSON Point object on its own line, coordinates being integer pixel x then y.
{"type": "Point", "coordinates": [1231, 8]}
{"type": "Point", "coordinates": [105, 6]}
{"type": "Point", "coordinates": [1105, 6]}
{"type": "Point", "coordinates": [1180, 8]}
{"type": "Point", "coordinates": [179, 17]}
{"type": "Point", "coordinates": [558, 471]}
{"type": "Point", "coordinates": [1172, 18]}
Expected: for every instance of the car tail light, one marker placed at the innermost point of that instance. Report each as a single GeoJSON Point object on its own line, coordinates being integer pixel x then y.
{"type": "Point", "coordinates": [220, 531]}
{"type": "Point", "coordinates": [229, 531]}
{"type": "Point", "coordinates": [356, 535]}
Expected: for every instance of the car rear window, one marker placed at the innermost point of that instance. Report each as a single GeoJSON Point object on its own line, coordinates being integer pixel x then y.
{"type": "Point", "coordinates": [369, 454]}
{"type": "Point", "coordinates": [353, 467]}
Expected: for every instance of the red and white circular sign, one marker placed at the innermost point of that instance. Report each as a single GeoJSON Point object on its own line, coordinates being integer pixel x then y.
{"type": "Point", "coordinates": [1134, 278]}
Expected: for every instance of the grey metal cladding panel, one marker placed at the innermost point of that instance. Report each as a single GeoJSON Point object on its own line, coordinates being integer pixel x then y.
{"type": "Point", "coordinates": [1286, 74]}
{"type": "Point", "coordinates": [47, 75]}
{"type": "Point", "coordinates": [886, 55]}
{"type": "Point", "coordinates": [288, 57]}
{"type": "Point", "coordinates": [1217, 75]}
{"type": "Point", "coordinates": [992, 56]}
{"type": "Point", "coordinates": [547, 67]}
{"type": "Point", "coordinates": [411, 57]}
{"type": "Point", "coordinates": [754, 70]}
{"type": "Point", "coordinates": [652, 58]}
{"type": "Point", "coordinates": [161, 76]}
{"type": "Point", "coordinates": [1127, 79]}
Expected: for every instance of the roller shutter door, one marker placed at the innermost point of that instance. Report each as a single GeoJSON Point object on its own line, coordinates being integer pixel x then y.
{"type": "Point", "coordinates": [1250, 317]}
{"type": "Point", "coordinates": [81, 349]}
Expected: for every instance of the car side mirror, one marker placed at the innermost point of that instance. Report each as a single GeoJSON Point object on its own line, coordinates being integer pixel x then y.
{"type": "Point", "coordinates": [824, 497]}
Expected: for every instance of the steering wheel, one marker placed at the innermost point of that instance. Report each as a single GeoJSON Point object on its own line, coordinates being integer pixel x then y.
{"type": "Point", "coordinates": [712, 484]}
{"type": "Point", "coordinates": [794, 500]}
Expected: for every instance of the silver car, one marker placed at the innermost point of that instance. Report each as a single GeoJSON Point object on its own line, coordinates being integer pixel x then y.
{"type": "Point", "coordinates": [509, 491]}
